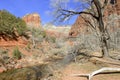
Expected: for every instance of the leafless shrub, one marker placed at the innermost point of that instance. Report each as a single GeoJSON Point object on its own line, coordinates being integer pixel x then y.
{"type": "Point", "coordinates": [115, 40]}
{"type": "Point", "coordinates": [36, 35]}
{"type": "Point", "coordinates": [90, 41]}
{"type": "Point", "coordinates": [60, 42]}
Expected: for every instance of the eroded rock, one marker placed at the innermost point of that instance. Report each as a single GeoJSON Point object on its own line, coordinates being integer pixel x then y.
{"type": "Point", "coordinates": [32, 20]}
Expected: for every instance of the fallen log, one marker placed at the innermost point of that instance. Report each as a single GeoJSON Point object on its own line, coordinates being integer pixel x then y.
{"type": "Point", "coordinates": [90, 75]}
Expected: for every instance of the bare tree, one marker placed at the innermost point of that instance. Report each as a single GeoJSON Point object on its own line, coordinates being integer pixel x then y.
{"type": "Point", "coordinates": [93, 8]}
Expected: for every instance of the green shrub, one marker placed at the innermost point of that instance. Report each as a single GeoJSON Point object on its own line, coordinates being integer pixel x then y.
{"type": "Point", "coordinates": [43, 33]}
{"type": "Point", "coordinates": [10, 25]}
{"type": "Point", "coordinates": [21, 27]}
{"type": "Point", "coordinates": [51, 39]}
{"type": "Point", "coordinates": [16, 53]}
{"type": "Point", "coordinates": [38, 34]}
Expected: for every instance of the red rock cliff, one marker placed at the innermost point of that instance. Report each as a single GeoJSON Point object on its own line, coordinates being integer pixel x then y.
{"type": "Point", "coordinates": [77, 27]}
{"type": "Point", "coordinates": [80, 25]}
{"type": "Point", "coordinates": [32, 20]}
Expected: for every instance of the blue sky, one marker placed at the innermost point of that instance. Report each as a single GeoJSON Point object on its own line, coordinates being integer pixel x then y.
{"type": "Point", "coordinates": [21, 7]}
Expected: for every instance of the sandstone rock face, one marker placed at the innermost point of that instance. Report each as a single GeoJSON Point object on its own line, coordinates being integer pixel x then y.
{"type": "Point", "coordinates": [80, 25]}
{"type": "Point", "coordinates": [32, 20]}
{"type": "Point", "coordinates": [113, 8]}
{"type": "Point", "coordinates": [77, 27]}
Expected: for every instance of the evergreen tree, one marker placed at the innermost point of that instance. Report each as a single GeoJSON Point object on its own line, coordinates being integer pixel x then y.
{"type": "Point", "coordinates": [10, 26]}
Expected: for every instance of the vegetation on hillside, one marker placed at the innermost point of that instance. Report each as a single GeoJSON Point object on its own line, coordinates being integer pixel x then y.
{"type": "Point", "coordinates": [11, 26]}
{"type": "Point", "coordinates": [16, 53]}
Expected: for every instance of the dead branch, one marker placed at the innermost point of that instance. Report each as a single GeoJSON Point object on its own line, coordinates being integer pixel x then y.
{"type": "Point", "coordinates": [90, 75]}
{"type": "Point", "coordinates": [107, 61]}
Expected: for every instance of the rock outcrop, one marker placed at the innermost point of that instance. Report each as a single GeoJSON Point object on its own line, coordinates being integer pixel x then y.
{"type": "Point", "coordinates": [80, 25]}
{"type": "Point", "coordinates": [32, 20]}
{"type": "Point", "coordinates": [77, 27]}
{"type": "Point", "coordinates": [11, 43]}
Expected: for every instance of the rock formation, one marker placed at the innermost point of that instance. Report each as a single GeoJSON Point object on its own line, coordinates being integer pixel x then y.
{"type": "Point", "coordinates": [32, 20]}
{"type": "Point", "coordinates": [80, 25]}
{"type": "Point", "coordinates": [77, 27]}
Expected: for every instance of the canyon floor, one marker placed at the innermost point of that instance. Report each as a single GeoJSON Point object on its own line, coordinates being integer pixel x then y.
{"type": "Point", "coordinates": [30, 65]}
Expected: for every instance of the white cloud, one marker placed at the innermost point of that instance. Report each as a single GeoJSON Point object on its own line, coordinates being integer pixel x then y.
{"type": "Point", "coordinates": [55, 3]}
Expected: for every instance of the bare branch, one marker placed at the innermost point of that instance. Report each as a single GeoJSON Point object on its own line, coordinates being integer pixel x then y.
{"type": "Point", "coordinates": [82, 12]}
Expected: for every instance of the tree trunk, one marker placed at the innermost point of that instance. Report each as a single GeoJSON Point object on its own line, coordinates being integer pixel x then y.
{"type": "Point", "coordinates": [104, 47]}
{"type": "Point", "coordinates": [101, 27]}
{"type": "Point", "coordinates": [104, 44]}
